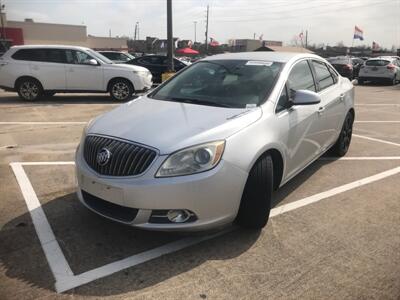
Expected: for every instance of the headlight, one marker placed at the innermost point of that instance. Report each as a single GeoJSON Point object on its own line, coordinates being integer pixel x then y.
{"type": "Point", "coordinates": [142, 73]}
{"type": "Point", "coordinates": [192, 160]}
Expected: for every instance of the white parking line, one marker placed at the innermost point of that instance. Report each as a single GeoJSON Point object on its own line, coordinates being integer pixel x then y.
{"type": "Point", "coordinates": [376, 140]}
{"type": "Point", "coordinates": [56, 259]}
{"type": "Point", "coordinates": [378, 104]}
{"type": "Point", "coordinates": [377, 121]}
{"type": "Point", "coordinates": [64, 277]}
{"type": "Point", "coordinates": [361, 158]}
{"type": "Point", "coordinates": [42, 123]}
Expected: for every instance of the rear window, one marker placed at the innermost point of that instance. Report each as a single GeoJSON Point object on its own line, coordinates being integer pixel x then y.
{"type": "Point", "coordinates": [43, 55]}
{"type": "Point", "coordinates": [377, 62]}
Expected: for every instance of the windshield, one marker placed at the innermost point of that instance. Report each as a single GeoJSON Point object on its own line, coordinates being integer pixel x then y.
{"type": "Point", "coordinates": [228, 83]}
{"type": "Point", "coordinates": [100, 56]}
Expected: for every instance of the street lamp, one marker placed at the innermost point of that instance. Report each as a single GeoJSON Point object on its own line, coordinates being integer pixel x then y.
{"type": "Point", "coordinates": [3, 32]}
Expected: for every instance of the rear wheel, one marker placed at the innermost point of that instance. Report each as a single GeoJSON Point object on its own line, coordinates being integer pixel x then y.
{"type": "Point", "coordinates": [394, 81]}
{"type": "Point", "coordinates": [256, 199]}
{"type": "Point", "coordinates": [121, 89]}
{"type": "Point", "coordinates": [29, 89]}
{"type": "Point", "coordinates": [342, 145]}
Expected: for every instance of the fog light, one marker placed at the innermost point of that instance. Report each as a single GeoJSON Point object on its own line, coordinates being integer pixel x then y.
{"type": "Point", "coordinates": [178, 215]}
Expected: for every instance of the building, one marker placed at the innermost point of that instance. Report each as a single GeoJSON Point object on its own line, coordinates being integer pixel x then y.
{"type": "Point", "coordinates": [29, 32]}
{"type": "Point", "coordinates": [284, 49]}
{"type": "Point", "coordinates": [246, 45]}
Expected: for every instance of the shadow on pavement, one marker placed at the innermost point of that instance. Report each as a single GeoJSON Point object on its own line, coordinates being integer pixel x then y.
{"type": "Point", "coordinates": [60, 98]}
{"type": "Point", "coordinates": [89, 241]}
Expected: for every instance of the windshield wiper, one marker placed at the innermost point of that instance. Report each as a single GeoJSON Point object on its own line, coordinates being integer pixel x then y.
{"type": "Point", "coordinates": [198, 101]}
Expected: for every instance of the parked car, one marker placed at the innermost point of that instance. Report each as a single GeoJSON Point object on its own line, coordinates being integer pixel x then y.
{"type": "Point", "coordinates": [34, 71]}
{"type": "Point", "coordinates": [209, 146]}
{"type": "Point", "coordinates": [117, 56]}
{"type": "Point", "coordinates": [347, 66]}
{"type": "Point", "coordinates": [380, 69]}
{"type": "Point", "coordinates": [157, 64]}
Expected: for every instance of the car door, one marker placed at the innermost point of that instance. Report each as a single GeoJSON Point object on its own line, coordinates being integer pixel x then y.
{"type": "Point", "coordinates": [154, 63]}
{"type": "Point", "coordinates": [81, 75]}
{"type": "Point", "coordinates": [332, 108]}
{"type": "Point", "coordinates": [298, 123]}
{"type": "Point", "coordinates": [48, 66]}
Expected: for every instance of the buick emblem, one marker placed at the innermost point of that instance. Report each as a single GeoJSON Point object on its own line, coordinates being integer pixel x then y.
{"type": "Point", "coordinates": [103, 156]}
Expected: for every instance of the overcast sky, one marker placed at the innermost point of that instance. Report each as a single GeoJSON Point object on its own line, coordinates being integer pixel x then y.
{"type": "Point", "coordinates": [327, 21]}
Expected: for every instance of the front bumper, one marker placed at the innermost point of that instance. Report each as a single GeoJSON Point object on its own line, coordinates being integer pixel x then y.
{"type": "Point", "coordinates": [213, 196]}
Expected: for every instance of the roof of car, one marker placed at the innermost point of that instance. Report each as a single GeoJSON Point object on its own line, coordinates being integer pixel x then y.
{"type": "Point", "coordinates": [382, 58]}
{"type": "Point", "coordinates": [267, 55]}
{"type": "Point", "coordinates": [49, 46]}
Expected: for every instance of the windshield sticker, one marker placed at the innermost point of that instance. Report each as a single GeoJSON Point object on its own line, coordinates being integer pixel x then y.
{"type": "Point", "coordinates": [259, 63]}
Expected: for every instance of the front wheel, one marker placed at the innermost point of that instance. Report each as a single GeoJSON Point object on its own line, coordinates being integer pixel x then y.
{"type": "Point", "coordinates": [29, 89]}
{"type": "Point", "coordinates": [257, 195]}
{"type": "Point", "coordinates": [121, 90]}
{"type": "Point", "coordinates": [342, 145]}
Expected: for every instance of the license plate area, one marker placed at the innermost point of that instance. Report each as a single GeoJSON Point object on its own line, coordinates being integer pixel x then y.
{"type": "Point", "coordinates": [103, 191]}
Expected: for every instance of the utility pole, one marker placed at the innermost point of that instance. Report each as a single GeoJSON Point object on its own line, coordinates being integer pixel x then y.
{"type": "Point", "coordinates": [254, 36]}
{"type": "Point", "coordinates": [135, 35]}
{"type": "Point", "coordinates": [195, 31]}
{"type": "Point", "coordinates": [3, 30]}
{"type": "Point", "coordinates": [170, 47]}
{"type": "Point", "coordinates": [109, 32]}
{"type": "Point", "coordinates": [208, 9]}
{"type": "Point", "coordinates": [306, 39]}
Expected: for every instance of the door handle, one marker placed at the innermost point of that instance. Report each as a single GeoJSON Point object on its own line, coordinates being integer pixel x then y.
{"type": "Point", "coordinates": [321, 110]}
{"type": "Point", "coordinates": [341, 97]}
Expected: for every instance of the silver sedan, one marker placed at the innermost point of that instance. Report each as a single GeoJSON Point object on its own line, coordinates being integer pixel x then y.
{"type": "Point", "coordinates": [211, 145]}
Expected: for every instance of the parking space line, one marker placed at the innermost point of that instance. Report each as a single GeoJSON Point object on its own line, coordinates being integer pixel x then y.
{"type": "Point", "coordinates": [376, 140]}
{"type": "Point", "coordinates": [376, 121]}
{"type": "Point", "coordinates": [332, 192]}
{"type": "Point", "coordinates": [43, 123]}
{"type": "Point", "coordinates": [55, 257]}
{"type": "Point", "coordinates": [361, 158]}
{"type": "Point", "coordinates": [64, 277]}
{"type": "Point", "coordinates": [377, 104]}
{"type": "Point", "coordinates": [133, 260]}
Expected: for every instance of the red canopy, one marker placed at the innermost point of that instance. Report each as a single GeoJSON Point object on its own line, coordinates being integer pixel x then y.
{"type": "Point", "coordinates": [186, 51]}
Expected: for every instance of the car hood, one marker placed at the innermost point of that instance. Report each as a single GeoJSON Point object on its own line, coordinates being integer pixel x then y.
{"type": "Point", "coordinates": [121, 66]}
{"type": "Point", "coordinates": [170, 126]}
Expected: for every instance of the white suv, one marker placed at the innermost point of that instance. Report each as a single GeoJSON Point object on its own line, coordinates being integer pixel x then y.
{"type": "Point", "coordinates": [384, 68]}
{"type": "Point", "coordinates": [34, 71]}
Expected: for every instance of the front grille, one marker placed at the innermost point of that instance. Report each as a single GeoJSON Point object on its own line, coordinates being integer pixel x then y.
{"type": "Point", "coordinates": [108, 209]}
{"type": "Point", "coordinates": [126, 159]}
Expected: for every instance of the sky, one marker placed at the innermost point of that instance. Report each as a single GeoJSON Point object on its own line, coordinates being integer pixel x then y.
{"type": "Point", "coordinates": [327, 21]}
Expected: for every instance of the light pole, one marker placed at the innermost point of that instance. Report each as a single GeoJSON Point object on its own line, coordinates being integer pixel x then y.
{"type": "Point", "coordinates": [3, 31]}
{"type": "Point", "coordinates": [195, 31]}
{"type": "Point", "coordinates": [170, 47]}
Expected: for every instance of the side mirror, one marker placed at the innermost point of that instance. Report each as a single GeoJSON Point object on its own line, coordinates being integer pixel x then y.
{"type": "Point", "coordinates": [93, 62]}
{"type": "Point", "coordinates": [305, 97]}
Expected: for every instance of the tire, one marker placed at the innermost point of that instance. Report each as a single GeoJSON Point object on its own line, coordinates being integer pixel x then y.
{"type": "Point", "coordinates": [342, 144]}
{"type": "Point", "coordinates": [394, 81]}
{"type": "Point", "coordinates": [121, 89]}
{"type": "Point", "coordinates": [29, 89]}
{"type": "Point", "coordinates": [257, 195]}
{"type": "Point", "coordinates": [48, 94]}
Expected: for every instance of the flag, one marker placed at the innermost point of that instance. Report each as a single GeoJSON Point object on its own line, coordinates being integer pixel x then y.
{"type": "Point", "coordinates": [213, 42]}
{"type": "Point", "coordinates": [358, 33]}
{"type": "Point", "coordinates": [375, 47]}
{"type": "Point", "coordinates": [301, 35]}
